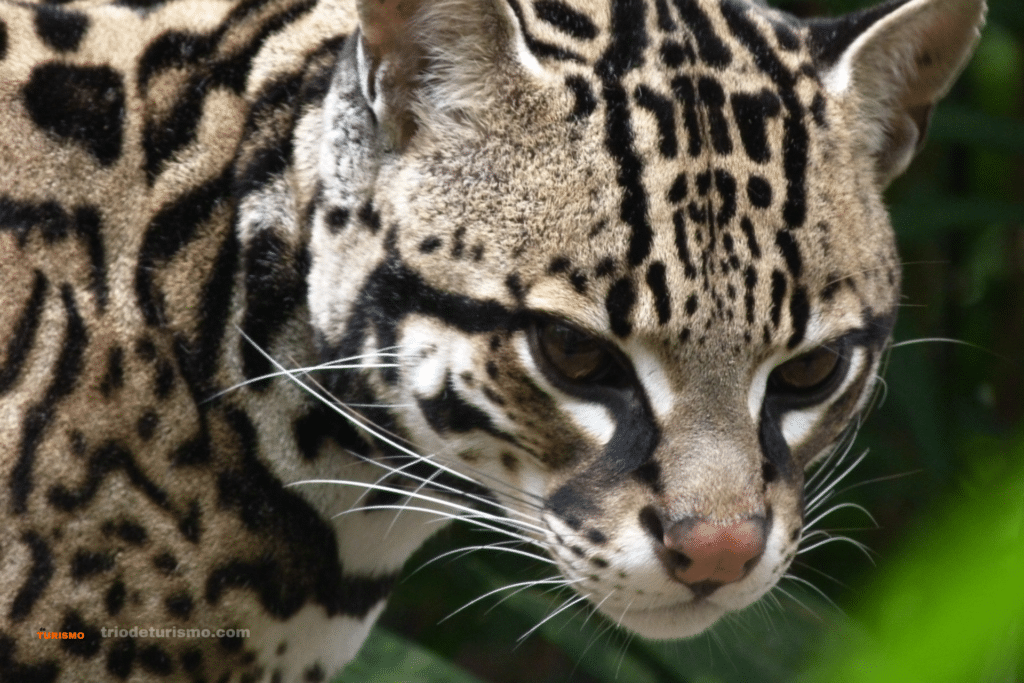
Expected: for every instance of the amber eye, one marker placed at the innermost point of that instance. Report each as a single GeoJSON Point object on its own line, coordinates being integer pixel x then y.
{"type": "Point", "coordinates": [575, 355]}
{"type": "Point", "coordinates": [808, 371]}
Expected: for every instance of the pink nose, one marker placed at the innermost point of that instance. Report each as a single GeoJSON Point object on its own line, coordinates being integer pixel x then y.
{"type": "Point", "coordinates": [713, 554]}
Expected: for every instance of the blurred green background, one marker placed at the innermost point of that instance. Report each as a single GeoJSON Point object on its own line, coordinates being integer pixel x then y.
{"type": "Point", "coordinates": [941, 597]}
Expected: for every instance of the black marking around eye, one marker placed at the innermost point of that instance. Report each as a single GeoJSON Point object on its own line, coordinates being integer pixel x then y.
{"type": "Point", "coordinates": [790, 251]}
{"type": "Point", "coordinates": [795, 139]}
{"type": "Point", "coordinates": [565, 19]}
{"type": "Point", "coordinates": [712, 98]}
{"type": "Point", "coordinates": [664, 112]}
{"type": "Point", "coordinates": [619, 304]}
{"type": "Point", "coordinates": [84, 104]}
{"type": "Point", "coordinates": [710, 47]}
{"type": "Point", "coordinates": [682, 244]}
{"type": "Point", "coordinates": [752, 112]}
{"type": "Point", "coordinates": [659, 288]}
{"type": "Point", "coordinates": [61, 29]}
{"type": "Point", "coordinates": [586, 102]}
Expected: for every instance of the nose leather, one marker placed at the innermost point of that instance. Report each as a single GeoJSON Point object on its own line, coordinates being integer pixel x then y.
{"type": "Point", "coordinates": [717, 553]}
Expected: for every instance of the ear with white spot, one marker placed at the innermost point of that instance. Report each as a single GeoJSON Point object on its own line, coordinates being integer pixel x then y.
{"type": "Point", "coordinates": [891, 64]}
{"type": "Point", "coordinates": [427, 58]}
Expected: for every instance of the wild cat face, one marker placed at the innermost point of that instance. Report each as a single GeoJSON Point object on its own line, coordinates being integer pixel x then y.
{"type": "Point", "coordinates": [634, 260]}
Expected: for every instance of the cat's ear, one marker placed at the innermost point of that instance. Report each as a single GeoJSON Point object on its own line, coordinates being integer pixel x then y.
{"type": "Point", "coordinates": [890, 64]}
{"type": "Point", "coordinates": [424, 59]}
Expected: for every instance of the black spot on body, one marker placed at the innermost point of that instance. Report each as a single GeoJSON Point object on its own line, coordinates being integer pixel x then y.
{"type": "Point", "coordinates": [619, 304]}
{"type": "Point", "coordinates": [22, 337]}
{"type": "Point", "coordinates": [778, 296]}
{"type": "Point", "coordinates": [179, 605]}
{"type": "Point", "coordinates": [86, 647]}
{"type": "Point", "coordinates": [679, 189]}
{"type": "Point", "coordinates": [192, 659]}
{"type": "Point", "coordinates": [759, 192]}
{"type": "Point", "coordinates": [314, 674]}
{"type": "Point", "coordinates": [84, 104]}
{"type": "Point", "coordinates": [712, 98]}
{"type": "Point", "coordinates": [36, 580]}
{"type": "Point", "coordinates": [800, 313]}
{"type": "Point", "coordinates": [597, 537]}
{"type": "Point", "coordinates": [751, 112]}
{"type": "Point", "coordinates": [86, 563]}
{"type": "Point", "coordinates": [539, 47]}
{"type": "Point", "coordinates": [173, 228]}
{"type": "Point", "coordinates": [155, 660]}
{"type": "Point", "coordinates": [336, 219]}
{"type": "Point", "coordinates": [682, 88]}
{"type": "Point", "coordinates": [114, 377]}
{"type": "Point", "coordinates": [710, 47]}
{"type": "Point", "coordinates": [565, 19]}
{"type": "Point", "coordinates": [121, 657]}
{"type": "Point", "coordinates": [59, 28]}
{"type": "Point", "coordinates": [3, 40]}
{"type": "Point", "coordinates": [682, 244]}
{"type": "Point", "coordinates": [664, 113]}
{"type": "Point", "coordinates": [725, 184]}
{"type": "Point", "coordinates": [659, 288]}
{"type": "Point", "coordinates": [430, 244]}
{"type": "Point", "coordinates": [674, 55]}
{"type": "Point", "coordinates": [114, 597]}
{"type": "Point", "coordinates": [790, 251]}
{"type": "Point", "coordinates": [39, 415]}
{"type": "Point", "coordinates": [370, 217]}
{"type": "Point", "coordinates": [586, 102]}
{"type": "Point", "coordinates": [274, 288]}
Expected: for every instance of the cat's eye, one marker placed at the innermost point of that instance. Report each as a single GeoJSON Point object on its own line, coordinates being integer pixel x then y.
{"type": "Point", "coordinates": [811, 372]}
{"type": "Point", "coordinates": [575, 355]}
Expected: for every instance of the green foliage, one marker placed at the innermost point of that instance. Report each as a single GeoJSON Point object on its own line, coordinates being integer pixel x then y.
{"type": "Point", "coordinates": [944, 478]}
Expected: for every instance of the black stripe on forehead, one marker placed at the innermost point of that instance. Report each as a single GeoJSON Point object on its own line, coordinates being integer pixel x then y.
{"type": "Point", "coordinates": [795, 137]}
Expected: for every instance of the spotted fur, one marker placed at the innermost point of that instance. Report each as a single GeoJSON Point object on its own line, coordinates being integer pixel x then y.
{"type": "Point", "coordinates": [274, 271]}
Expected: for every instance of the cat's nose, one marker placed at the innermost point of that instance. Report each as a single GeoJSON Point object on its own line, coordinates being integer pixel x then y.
{"type": "Point", "coordinates": [705, 555]}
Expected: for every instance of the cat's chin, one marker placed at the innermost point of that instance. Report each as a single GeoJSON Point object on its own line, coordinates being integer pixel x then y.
{"type": "Point", "coordinates": [679, 620]}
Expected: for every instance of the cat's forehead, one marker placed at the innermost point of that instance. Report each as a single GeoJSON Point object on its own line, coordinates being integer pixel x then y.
{"type": "Point", "coordinates": [670, 168]}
